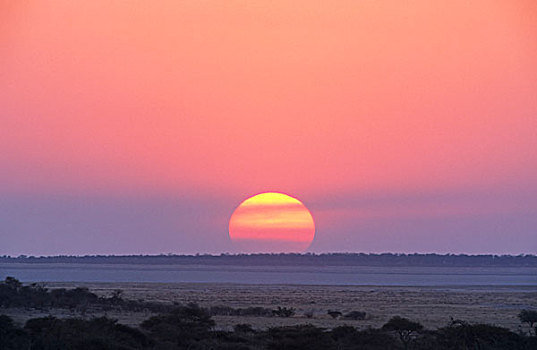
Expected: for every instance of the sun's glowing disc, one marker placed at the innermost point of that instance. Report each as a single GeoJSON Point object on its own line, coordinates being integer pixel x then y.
{"type": "Point", "coordinates": [271, 222]}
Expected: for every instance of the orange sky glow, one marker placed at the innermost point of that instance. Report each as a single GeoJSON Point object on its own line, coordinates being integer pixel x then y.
{"type": "Point", "coordinates": [379, 115]}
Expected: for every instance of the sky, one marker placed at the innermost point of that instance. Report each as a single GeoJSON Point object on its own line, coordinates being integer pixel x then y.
{"type": "Point", "coordinates": [137, 127]}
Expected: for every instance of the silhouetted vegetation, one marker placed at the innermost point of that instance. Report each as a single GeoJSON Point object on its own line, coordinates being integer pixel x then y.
{"type": "Point", "coordinates": [308, 259]}
{"type": "Point", "coordinates": [334, 314]}
{"type": "Point", "coordinates": [249, 311]}
{"type": "Point", "coordinates": [405, 328]}
{"type": "Point", "coordinates": [184, 327]}
{"type": "Point", "coordinates": [14, 294]}
{"type": "Point", "coordinates": [346, 337]}
{"type": "Point", "coordinates": [284, 311]}
{"type": "Point", "coordinates": [298, 337]}
{"type": "Point", "coordinates": [11, 337]}
{"type": "Point", "coordinates": [191, 327]}
{"type": "Point", "coordinates": [463, 335]}
{"type": "Point", "coordinates": [529, 317]}
{"type": "Point", "coordinates": [50, 333]}
{"type": "Point", "coordinates": [355, 315]}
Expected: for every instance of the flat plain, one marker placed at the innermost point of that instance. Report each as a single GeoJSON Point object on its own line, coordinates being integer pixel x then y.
{"type": "Point", "coordinates": [432, 306]}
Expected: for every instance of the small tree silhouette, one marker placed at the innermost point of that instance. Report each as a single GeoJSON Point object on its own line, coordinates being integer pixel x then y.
{"type": "Point", "coordinates": [404, 327]}
{"type": "Point", "coordinates": [13, 283]}
{"type": "Point", "coordinates": [529, 317]}
{"type": "Point", "coordinates": [117, 294]}
{"type": "Point", "coordinates": [284, 311]}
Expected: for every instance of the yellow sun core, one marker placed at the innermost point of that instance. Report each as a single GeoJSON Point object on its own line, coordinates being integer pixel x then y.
{"type": "Point", "coordinates": [271, 222]}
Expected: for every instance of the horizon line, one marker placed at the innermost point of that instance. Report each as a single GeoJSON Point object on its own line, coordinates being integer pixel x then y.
{"type": "Point", "coordinates": [228, 254]}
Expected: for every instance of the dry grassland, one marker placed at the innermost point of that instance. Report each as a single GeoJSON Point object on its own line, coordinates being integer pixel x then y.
{"type": "Point", "coordinates": [431, 306]}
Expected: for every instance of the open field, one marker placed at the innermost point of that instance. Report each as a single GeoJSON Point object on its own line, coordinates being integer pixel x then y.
{"type": "Point", "coordinates": [431, 306]}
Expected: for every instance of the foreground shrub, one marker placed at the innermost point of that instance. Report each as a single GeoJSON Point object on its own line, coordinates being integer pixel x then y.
{"type": "Point", "coordinates": [99, 333]}
{"type": "Point", "coordinates": [299, 337]}
{"type": "Point", "coordinates": [405, 328]}
{"type": "Point", "coordinates": [284, 311]}
{"type": "Point", "coordinates": [183, 326]}
{"type": "Point", "coordinates": [347, 337]}
{"type": "Point", "coordinates": [11, 337]}
{"type": "Point", "coordinates": [462, 335]}
{"type": "Point", "coordinates": [190, 328]}
{"type": "Point", "coordinates": [243, 328]}
{"type": "Point", "coordinates": [529, 317]}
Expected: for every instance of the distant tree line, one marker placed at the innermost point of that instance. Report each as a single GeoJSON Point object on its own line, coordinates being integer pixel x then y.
{"type": "Point", "coordinates": [308, 259]}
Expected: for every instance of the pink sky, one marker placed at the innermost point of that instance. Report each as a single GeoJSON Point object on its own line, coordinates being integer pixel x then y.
{"type": "Point", "coordinates": [403, 127]}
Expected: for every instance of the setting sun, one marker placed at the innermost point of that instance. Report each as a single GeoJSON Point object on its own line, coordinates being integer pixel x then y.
{"type": "Point", "coordinates": [271, 222]}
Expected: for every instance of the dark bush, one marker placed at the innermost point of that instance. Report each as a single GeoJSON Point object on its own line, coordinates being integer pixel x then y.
{"type": "Point", "coordinates": [405, 328]}
{"type": "Point", "coordinates": [284, 311]}
{"type": "Point", "coordinates": [183, 326]}
{"type": "Point", "coordinates": [299, 337]}
{"type": "Point", "coordinates": [255, 311]}
{"type": "Point", "coordinates": [355, 315]}
{"type": "Point", "coordinates": [12, 337]}
{"type": "Point", "coordinates": [334, 314]}
{"type": "Point", "coordinates": [243, 328]}
{"type": "Point", "coordinates": [347, 337]}
{"type": "Point", "coordinates": [222, 311]}
{"type": "Point", "coordinates": [99, 333]}
{"type": "Point", "coordinates": [529, 317]}
{"type": "Point", "coordinates": [461, 335]}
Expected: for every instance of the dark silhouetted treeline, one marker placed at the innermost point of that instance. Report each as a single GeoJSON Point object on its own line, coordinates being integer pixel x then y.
{"type": "Point", "coordinates": [14, 294]}
{"type": "Point", "coordinates": [191, 327]}
{"type": "Point", "coordinates": [35, 296]}
{"type": "Point", "coordinates": [308, 259]}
